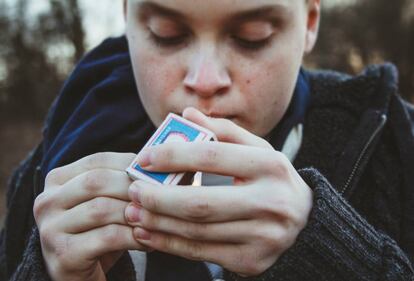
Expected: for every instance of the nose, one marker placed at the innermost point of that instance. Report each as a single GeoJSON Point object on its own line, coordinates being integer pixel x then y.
{"type": "Point", "coordinates": [207, 76]}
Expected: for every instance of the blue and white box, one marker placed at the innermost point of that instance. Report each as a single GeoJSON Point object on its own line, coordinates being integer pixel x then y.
{"type": "Point", "coordinates": [173, 129]}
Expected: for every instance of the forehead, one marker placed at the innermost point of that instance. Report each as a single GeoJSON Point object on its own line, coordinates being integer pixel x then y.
{"type": "Point", "coordinates": [216, 9]}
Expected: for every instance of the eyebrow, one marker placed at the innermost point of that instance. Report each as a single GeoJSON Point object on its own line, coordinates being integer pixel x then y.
{"type": "Point", "coordinates": [268, 12]}
{"type": "Point", "coordinates": [146, 8]}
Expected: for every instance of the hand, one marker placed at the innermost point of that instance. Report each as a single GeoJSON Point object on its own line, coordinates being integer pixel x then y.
{"type": "Point", "coordinates": [244, 228]}
{"type": "Point", "coordinates": [80, 216]}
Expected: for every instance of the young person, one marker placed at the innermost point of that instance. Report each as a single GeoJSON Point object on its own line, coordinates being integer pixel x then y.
{"type": "Point", "coordinates": [316, 167]}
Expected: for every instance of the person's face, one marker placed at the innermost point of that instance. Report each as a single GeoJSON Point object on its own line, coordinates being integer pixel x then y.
{"type": "Point", "coordinates": [235, 59]}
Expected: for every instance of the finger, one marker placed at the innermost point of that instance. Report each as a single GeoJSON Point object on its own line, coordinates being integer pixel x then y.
{"type": "Point", "coordinates": [94, 213]}
{"type": "Point", "coordinates": [225, 130]}
{"type": "Point", "coordinates": [212, 157]}
{"type": "Point", "coordinates": [224, 254]}
{"type": "Point", "coordinates": [103, 240]}
{"type": "Point", "coordinates": [212, 204]}
{"type": "Point", "coordinates": [92, 184]}
{"type": "Point", "coordinates": [103, 160]}
{"type": "Point", "coordinates": [231, 232]}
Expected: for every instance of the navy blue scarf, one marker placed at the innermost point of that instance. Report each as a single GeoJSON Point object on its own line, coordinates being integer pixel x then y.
{"type": "Point", "coordinates": [99, 110]}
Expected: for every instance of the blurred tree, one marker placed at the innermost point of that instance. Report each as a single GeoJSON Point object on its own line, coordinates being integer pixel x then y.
{"type": "Point", "coordinates": [32, 47]}
{"type": "Point", "coordinates": [369, 31]}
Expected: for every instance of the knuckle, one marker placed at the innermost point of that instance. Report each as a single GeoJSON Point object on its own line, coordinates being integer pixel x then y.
{"type": "Point", "coordinates": [227, 124]}
{"type": "Point", "coordinates": [250, 264]}
{"type": "Point", "coordinates": [95, 160]}
{"type": "Point", "coordinates": [167, 242]}
{"type": "Point", "coordinates": [284, 208]}
{"type": "Point", "coordinates": [273, 239]}
{"type": "Point", "coordinates": [53, 242]}
{"type": "Point", "coordinates": [277, 165]}
{"type": "Point", "coordinates": [277, 208]}
{"type": "Point", "coordinates": [225, 127]}
{"type": "Point", "coordinates": [265, 144]}
{"type": "Point", "coordinates": [195, 231]}
{"type": "Point", "coordinates": [92, 181]}
{"type": "Point", "coordinates": [100, 208]}
{"type": "Point", "coordinates": [208, 157]}
{"type": "Point", "coordinates": [289, 213]}
{"type": "Point", "coordinates": [47, 234]}
{"type": "Point", "coordinates": [149, 200]}
{"type": "Point", "coordinates": [53, 176]}
{"type": "Point", "coordinates": [39, 205]}
{"type": "Point", "coordinates": [258, 268]}
{"type": "Point", "coordinates": [195, 251]}
{"type": "Point", "coordinates": [164, 156]}
{"type": "Point", "coordinates": [149, 221]}
{"type": "Point", "coordinates": [111, 234]}
{"type": "Point", "coordinates": [62, 248]}
{"type": "Point", "coordinates": [198, 209]}
{"type": "Point", "coordinates": [42, 203]}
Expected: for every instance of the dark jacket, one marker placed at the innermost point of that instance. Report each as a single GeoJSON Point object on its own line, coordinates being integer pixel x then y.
{"type": "Point", "coordinates": [357, 156]}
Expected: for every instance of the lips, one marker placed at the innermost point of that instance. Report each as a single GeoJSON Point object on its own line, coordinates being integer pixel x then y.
{"type": "Point", "coordinates": [219, 115]}
{"type": "Point", "coordinates": [213, 114]}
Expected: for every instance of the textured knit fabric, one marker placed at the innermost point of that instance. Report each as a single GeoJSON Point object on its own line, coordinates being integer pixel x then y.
{"type": "Point", "coordinates": [356, 155]}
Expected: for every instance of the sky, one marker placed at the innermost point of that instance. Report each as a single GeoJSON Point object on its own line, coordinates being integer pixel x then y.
{"type": "Point", "coordinates": [103, 20]}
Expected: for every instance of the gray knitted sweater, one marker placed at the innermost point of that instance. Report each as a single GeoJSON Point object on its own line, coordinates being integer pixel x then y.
{"type": "Point", "coordinates": [358, 157]}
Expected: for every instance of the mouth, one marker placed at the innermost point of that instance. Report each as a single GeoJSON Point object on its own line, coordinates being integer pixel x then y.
{"type": "Point", "coordinates": [221, 116]}
{"type": "Point", "coordinates": [217, 115]}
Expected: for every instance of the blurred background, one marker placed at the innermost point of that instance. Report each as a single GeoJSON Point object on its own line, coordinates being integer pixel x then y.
{"type": "Point", "coordinates": [41, 40]}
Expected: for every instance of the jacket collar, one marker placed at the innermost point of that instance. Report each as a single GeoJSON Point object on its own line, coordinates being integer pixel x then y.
{"type": "Point", "coordinates": [345, 121]}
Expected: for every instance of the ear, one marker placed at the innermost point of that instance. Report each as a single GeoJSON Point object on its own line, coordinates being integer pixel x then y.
{"type": "Point", "coordinates": [314, 16]}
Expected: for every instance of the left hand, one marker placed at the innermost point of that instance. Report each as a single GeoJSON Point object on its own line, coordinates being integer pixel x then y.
{"type": "Point", "coordinates": [244, 228]}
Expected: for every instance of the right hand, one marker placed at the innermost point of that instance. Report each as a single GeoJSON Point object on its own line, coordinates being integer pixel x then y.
{"type": "Point", "coordinates": [80, 217]}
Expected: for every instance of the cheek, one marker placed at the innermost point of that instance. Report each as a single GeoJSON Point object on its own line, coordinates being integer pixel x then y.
{"type": "Point", "coordinates": [268, 82]}
{"type": "Point", "coordinates": [152, 75]}
{"type": "Point", "coordinates": [267, 89]}
{"type": "Point", "coordinates": [156, 78]}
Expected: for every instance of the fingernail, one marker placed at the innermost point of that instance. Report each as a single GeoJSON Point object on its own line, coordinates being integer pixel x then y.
{"type": "Point", "coordinates": [141, 234]}
{"type": "Point", "coordinates": [144, 158]}
{"type": "Point", "coordinates": [133, 213]}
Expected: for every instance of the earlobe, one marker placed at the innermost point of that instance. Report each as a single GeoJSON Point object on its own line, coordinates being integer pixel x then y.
{"type": "Point", "coordinates": [314, 13]}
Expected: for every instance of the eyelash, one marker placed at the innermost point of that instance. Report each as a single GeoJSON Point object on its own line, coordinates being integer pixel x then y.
{"type": "Point", "coordinates": [168, 42]}
{"type": "Point", "coordinates": [252, 45]}
{"type": "Point", "coordinates": [178, 40]}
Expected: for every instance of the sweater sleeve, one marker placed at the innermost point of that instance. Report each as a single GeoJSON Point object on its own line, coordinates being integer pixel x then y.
{"type": "Point", "coordinates": [32, 266]}
{"type": "Point", "coordinates": [336, 244]}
